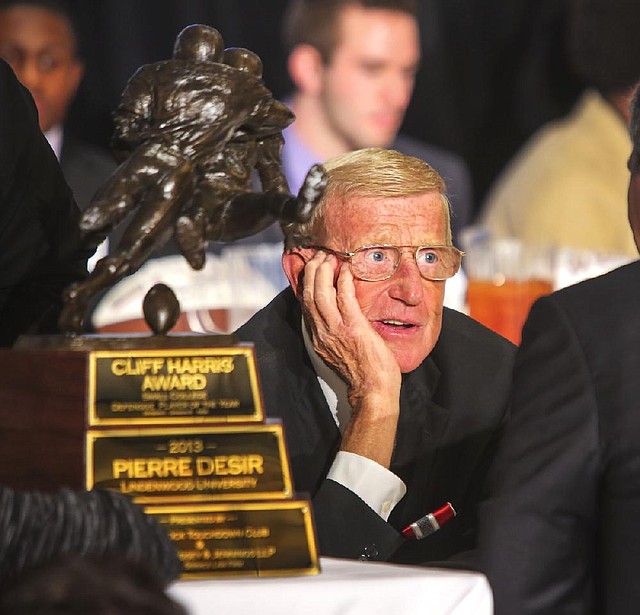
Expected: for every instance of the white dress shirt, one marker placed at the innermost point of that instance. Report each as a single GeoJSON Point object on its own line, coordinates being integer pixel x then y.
{"type": "Point", "coordinates": [54, 137]}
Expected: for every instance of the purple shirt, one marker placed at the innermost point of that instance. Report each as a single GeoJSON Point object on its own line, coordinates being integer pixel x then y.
{"type": "Point", "coordinates": [297, 159]}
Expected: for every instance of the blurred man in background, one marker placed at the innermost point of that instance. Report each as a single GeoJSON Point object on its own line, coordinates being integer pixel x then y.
{"type": "Point", "coordinates": [38, 40]}
{"type": "Point", "coordinates": [353, 65]}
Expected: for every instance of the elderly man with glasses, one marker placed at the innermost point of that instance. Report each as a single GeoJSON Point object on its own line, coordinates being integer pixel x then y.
{"type": "Point", "coordinates": [391, 403]}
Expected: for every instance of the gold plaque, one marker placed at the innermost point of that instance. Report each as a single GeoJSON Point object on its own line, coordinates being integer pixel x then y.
{"type": "Point", "coordinates": [177, 386]}
{"type": "Point", "coordinates": [184, 464]}
{"type": "Point", "coordinates": [242, 539]}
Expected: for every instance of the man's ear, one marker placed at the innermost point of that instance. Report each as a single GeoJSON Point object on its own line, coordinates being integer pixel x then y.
{"type": "Point", "coordinates": [306, 69]}
{"type": "Point", "coordinates": [293, 263]}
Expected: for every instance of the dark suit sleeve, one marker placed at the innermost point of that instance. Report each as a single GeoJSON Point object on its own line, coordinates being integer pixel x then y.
{"type": "Point", "coordinates": [41, 247]}
{"type": "Point", "coordinates": [347, 527]}
{"type": "Point", "coordinates": [537, 528]}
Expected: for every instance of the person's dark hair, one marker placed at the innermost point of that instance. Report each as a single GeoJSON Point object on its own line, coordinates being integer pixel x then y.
{"type": "Point", "coordinates": [603, 43]}
{"type": "Point", "coordinates": [77, 585]}
{"type": "Point", "coordinates": [41, 527]}
{"type": "Point", "coordinates": [313, 22]}
{"type": "Point", "coordinates": [634, 160]}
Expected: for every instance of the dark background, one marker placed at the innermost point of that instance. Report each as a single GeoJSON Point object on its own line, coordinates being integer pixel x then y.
{"type": "Point", "coordinates": [492, 72]}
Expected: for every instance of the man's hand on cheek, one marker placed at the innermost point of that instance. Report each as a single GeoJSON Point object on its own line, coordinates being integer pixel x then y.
{"type": "Point", "coordinates": [344, 338]}
{"type": "Point", "coordinates": [341, 334]}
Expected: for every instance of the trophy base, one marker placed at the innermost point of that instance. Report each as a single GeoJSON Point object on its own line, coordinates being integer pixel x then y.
{"type": "Point", "coordinates": [43, 418]}
{"type": "Point", "coordinates": [46, 407]}
{"type": "Point", "coordinates": [242, 539]}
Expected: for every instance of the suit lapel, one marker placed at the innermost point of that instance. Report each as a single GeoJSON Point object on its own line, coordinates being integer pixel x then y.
{"type": "Point", "coordinates": [317, 433]}
{"type": "Point", "coordinates": [294, 394]}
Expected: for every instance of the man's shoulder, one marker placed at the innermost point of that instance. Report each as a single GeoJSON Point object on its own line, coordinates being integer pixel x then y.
{"type": "Point", "coordinates": [555, 157]}
{"type": "Point", "coordinates": [275, 333]}
{"type": "Point", "coordinates": [18, 126]}
{"type": "Point", "coordinates": [452, 168]}
{"type": "Point", "coordinates": [474, 371]}
{"type": "Point", "coordinates": [278, 319]}
{"type": "Point", "coordinates": [576, 159]}
{"type": "Point", "coordinates": [601, 316]}
{"type": "Point", "coordinates": [609, 294]}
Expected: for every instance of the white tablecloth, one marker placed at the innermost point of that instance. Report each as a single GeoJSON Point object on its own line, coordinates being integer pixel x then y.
{"type": "Point", "coordinates": [343, 587]}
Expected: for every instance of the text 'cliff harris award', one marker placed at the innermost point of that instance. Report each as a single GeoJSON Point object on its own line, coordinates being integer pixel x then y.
{"type": "Point", "coordinates": [174, 421]}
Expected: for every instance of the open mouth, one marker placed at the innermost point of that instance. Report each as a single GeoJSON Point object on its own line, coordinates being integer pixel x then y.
{"type": "Point", "coordinates": [397, 323]}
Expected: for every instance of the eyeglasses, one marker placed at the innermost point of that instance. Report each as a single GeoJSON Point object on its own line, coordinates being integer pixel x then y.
{"type": "Point", "coordinates": [376, 263]}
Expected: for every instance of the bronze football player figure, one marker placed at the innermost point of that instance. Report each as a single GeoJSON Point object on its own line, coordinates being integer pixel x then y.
{"type": "Point", "coordinates": [189, 132]}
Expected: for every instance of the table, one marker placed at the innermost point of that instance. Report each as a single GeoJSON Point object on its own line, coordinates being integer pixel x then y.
{"type": "Point", "coordinates": [343, 587]}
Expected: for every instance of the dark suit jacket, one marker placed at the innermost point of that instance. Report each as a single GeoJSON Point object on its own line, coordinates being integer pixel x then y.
{"type": "Point", "coordinates": [40, 250]}
{"type": "Point", "coordinates": [85, 168]}
{"type": "Point", "coordinates": [452, 407]}
{"type": "Point", "coordinates": [560, 532]}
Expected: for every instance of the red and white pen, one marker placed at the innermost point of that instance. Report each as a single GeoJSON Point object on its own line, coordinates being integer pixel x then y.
{"type": "Point", "coordinates": [429, 523]}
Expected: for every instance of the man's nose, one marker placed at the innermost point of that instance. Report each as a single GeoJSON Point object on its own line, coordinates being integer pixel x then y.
{"type": "Point", "coordinates": [407, 285]}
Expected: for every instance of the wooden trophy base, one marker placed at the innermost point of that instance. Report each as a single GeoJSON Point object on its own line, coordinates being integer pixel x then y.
{"type": "Point", "coordinates": [42, 419]}
{"type": "Point", "coordinates": [48, 391]}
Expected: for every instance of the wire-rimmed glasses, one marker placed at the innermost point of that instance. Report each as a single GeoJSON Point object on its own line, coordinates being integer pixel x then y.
{"type": "Point", "coordinates": [376, 263]}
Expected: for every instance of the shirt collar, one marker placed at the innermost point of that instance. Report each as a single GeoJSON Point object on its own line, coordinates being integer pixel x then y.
{"type": "Point", "coordinates": [54, 136]}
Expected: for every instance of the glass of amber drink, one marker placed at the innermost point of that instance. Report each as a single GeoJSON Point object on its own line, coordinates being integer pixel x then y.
{"type": "Point", "coordinates": [505, 277]}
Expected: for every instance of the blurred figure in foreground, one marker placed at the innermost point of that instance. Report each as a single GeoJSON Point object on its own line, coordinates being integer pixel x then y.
{"type": "Point", "coordinates": [39, 233]}
{"type": "Point", "coordinates": [38, 528]}
{"type": "Point", "coordinates": [89, 585]}
{"type": "Point", "coordinates": [559, 533]}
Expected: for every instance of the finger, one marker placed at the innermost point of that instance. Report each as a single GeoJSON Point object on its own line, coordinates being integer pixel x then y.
{"type": "Point", "coordinates": [308, 281]}
{"type": "Point", "coordinates": [346, 298]}
{"type": "Point", "coordinates": [309, 305]}
{"type": "Point", "coordinates": [325, 291]}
